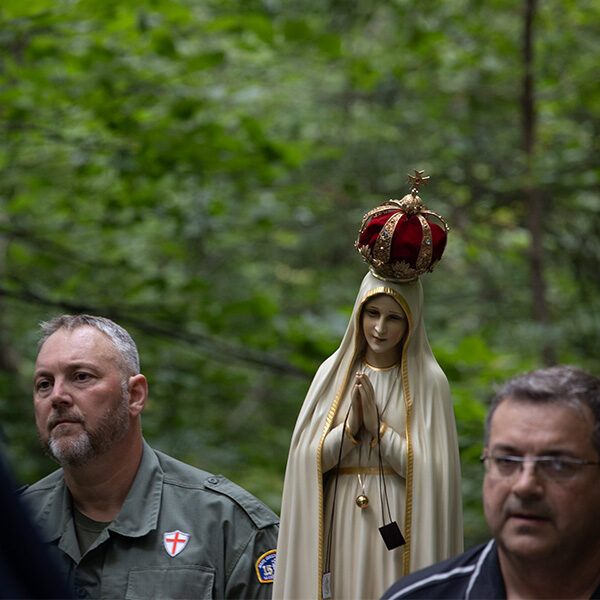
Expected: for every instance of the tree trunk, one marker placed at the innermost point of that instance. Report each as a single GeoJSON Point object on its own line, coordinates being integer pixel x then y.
{"type": "Point", "coordinates": [533, 204]}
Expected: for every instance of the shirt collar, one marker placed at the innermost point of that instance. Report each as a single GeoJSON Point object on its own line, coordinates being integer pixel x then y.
{"type": "Point", "coordinates": [137, 517]}
{"type": "Point", "coordinates": [55, 514]}
{"type": "Point", "coordinates": [487, 581]}
{"type": "Point", "coordinates": [139, 513]}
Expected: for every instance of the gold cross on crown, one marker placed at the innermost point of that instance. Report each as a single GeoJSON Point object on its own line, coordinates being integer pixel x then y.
{"type": "Point", "coordinates": [416, 180]}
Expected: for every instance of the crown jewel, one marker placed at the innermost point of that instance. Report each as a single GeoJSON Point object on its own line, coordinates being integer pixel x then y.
{"type": "Point", "coordinates": [399, 240]}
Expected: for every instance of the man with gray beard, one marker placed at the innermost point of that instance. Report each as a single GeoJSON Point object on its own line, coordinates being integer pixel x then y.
{"type": "Point", "coordinates": [126, 520]}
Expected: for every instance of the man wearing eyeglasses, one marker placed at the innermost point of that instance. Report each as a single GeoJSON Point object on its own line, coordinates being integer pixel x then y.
{"type": "Point", "coordinates": [541, 497]}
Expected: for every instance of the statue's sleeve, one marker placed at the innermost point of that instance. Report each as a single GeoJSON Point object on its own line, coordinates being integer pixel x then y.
{"type": "Point", "coordinates": [331, 447]}
{"type": "Point", "coordinates": [393, 450]}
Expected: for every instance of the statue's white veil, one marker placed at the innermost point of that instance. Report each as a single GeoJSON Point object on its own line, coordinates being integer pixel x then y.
{"type": "Point", "coordinates": [432, 525]}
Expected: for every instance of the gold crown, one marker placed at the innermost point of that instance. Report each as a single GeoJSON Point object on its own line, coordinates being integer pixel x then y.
{"type": "Point", "coordinates": [398, 241]}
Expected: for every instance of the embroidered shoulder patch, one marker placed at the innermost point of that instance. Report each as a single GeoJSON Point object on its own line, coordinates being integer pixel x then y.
{"type": "Point", "coordinates": [175, 541]}
{"type": "Point", "coordinates": [265, 567]}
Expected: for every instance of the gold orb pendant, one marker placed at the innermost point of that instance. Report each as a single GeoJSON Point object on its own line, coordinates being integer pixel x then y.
{"type": "Point", "coordinates": [362, 501]}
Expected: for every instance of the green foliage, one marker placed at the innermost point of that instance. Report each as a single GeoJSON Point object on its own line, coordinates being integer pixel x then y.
{"type": "Point", "coordinates": [198, 172]}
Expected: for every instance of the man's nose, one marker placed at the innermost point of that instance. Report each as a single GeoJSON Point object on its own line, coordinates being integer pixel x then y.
{"type": "Point", "coordinates": [61, 394]}
{"type": "Point", "coordinates": [528, 481]}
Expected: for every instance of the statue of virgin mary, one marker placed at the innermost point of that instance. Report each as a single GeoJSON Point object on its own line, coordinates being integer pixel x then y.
{"type": "Point", "coordinates": [375, 443]}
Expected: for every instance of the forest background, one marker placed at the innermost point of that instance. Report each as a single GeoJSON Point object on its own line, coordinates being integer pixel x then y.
{"type": "Point", "coordinates": [198, 172]}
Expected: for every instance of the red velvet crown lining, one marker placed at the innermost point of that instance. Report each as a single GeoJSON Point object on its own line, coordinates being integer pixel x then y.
{"type": "Point", "coordinates": [408, 235]}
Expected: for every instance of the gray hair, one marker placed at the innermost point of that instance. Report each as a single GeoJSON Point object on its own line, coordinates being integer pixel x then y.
{"type": "Point", "coordinates": [560, 384]}
{"type": "Point", "coordinates": [120, 338]}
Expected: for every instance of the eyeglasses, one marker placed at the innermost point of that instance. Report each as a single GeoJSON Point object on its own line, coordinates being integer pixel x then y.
{"type": "Point", "coordinates": [550, 467]}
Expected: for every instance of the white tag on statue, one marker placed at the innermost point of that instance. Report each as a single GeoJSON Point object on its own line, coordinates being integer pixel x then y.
{"type": "Point", "coordinates": [326, 586]}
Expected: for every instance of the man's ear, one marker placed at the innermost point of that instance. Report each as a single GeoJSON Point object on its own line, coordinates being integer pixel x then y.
{"type": "Point", "coordinates": [138, 392]}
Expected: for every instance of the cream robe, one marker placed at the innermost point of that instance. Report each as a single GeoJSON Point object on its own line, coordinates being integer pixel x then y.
{"type": "Point", "coordinates": [420, 446]}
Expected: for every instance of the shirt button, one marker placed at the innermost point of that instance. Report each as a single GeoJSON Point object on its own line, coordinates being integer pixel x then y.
{"type": "Point", "coordinates": [81, 592]}
{"type": "Point", "coordinates": [213, 480]}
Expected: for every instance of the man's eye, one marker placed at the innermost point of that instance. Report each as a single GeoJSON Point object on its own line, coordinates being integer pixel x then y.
{"type": "Point", "coordinates": [43, 385]}
{"type": "Point", "coordinates": [504, 464]}
{"type": "Point", "coordinates": [560, 466]}
{"type": "Point", "coordinates": [82, 376]}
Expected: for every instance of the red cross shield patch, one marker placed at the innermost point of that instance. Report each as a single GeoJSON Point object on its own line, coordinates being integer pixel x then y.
{"type": "Point", "coordinates": [175, 541]}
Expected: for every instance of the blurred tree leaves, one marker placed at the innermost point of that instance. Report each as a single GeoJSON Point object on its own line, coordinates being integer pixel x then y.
{"type": "Point", "coordinates": [198, 172]}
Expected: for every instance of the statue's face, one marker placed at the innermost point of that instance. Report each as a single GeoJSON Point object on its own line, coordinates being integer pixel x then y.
{"type": "Point", "coordinates": [384, 324]}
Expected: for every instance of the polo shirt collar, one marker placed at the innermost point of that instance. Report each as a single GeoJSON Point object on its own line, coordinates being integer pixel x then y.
{"type": "Point", "coordinates": [487, 581]}
{"type": "Point", "coordinates": [139, 513]}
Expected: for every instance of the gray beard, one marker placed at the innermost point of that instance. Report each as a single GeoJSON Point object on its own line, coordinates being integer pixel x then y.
{"type": "Point", "coordinates": [90, 444]}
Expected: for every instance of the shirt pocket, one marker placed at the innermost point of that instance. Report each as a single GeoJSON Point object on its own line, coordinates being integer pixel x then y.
{"type": "Point", "coordinates": [177, 583]}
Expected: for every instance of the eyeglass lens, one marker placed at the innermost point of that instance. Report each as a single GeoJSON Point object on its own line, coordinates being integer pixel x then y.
{"type": "Point", "coordinates": [549, 467]}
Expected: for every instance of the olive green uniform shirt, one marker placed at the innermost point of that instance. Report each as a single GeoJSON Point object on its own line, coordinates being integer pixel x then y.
{"type": "Point", "coordinates": [223, 536]}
